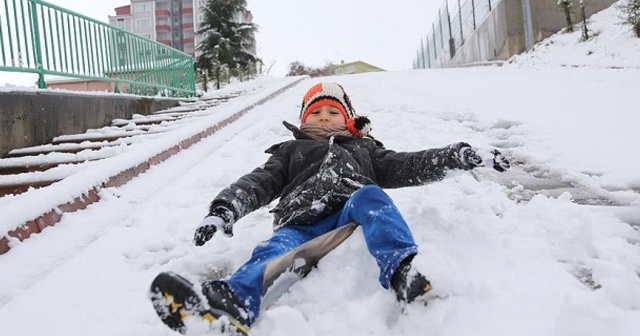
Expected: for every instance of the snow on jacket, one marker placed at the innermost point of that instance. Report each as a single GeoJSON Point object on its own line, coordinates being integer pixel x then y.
{"type": "Point", "coordinates": [315, 178]}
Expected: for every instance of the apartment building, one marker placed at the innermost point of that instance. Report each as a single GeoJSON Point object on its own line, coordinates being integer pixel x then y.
{"type": "Point", "coordinates": [171, 22]}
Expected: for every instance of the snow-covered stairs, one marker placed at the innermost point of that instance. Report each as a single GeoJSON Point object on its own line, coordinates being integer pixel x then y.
{"type": "Point", "coordinates": [69, 173]}
{"type": "Point", "coordinates": [35, 167]}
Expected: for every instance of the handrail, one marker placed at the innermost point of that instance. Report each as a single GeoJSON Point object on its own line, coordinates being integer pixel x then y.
{"type": "Point", "coordinates": [45, 39]}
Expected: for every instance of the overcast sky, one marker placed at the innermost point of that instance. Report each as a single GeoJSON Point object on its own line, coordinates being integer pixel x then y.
{"type": "Point", "coordinates": [380, 32]}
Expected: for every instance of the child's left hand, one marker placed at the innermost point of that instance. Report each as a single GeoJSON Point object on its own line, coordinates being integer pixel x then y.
{"type": "Point", "coordinates": [471, 159]}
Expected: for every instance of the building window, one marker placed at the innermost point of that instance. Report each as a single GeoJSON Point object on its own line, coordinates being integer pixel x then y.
{"type": "Point", "coordinates": [202, 3]}
{"type": "Point", "coordinates": [120, 23]}
{"type": "Point", "coordinates": [351, 69]}
{"type": "Point", "coordinates": [142, 8]}
{"type": "Point", "coordinates": [200, 18]}
{"type": "Point", "coordinates": [143, 23]}
{"type": "Point", "coordinates": [339, 71]}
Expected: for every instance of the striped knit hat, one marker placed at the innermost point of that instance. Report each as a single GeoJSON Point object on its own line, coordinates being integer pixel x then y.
{"type": "Point", "coordinates": [333, 94]}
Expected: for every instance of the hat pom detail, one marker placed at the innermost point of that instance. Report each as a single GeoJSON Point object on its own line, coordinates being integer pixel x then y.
{"type": "Point", "coordinates": [359, 126]}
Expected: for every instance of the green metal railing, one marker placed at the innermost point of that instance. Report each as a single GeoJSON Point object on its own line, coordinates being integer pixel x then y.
{"type": "Point", "coordinates": [42, 38]}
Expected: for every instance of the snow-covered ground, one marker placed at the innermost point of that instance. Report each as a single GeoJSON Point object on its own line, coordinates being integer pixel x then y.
{"type": "Point", "coordinates": [503, 260]}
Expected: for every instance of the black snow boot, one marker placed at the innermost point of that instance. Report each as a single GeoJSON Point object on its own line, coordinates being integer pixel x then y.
{"type": "Point", "coordinates": [408, 283]}
{"type": "Point", "coordinates": [175, 298]}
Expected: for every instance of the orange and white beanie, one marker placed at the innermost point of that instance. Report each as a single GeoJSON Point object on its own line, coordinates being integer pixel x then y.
{"type": "Point", "coordinates": [333, 94]}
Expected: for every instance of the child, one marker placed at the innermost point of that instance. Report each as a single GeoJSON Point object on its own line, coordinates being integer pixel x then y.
{"type": "Point", "coordinates": [329, 175]}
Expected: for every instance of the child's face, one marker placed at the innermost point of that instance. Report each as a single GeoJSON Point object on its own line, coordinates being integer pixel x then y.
{"type": "Point", "coordinates": [326, 116]}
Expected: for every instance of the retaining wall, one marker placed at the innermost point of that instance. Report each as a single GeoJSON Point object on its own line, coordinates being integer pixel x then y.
{"type": "Point", "coordinates": [32, 118]}
{"type": "Point", "coordinates": [501, 34]}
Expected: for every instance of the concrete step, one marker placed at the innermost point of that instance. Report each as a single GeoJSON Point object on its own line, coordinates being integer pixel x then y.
{"type": "Point", "coordinates": [17, 188]}
{"type": "Point", "coordinates": [17, 169]}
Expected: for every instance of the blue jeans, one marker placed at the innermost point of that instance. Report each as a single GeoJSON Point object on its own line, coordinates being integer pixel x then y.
{"type": "Point", "coordinates": [388, 238]}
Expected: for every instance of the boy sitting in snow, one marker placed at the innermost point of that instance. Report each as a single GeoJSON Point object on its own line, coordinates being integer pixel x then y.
{"type": "Point", "coordinates": [330, 175]}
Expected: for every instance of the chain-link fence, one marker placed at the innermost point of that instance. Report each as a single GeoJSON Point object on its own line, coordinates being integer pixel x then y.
{"type": "Point", "coordinates": [455, 22]}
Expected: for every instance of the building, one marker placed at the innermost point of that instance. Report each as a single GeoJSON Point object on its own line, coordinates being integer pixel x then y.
{"type": "Point", "coordinates": [353, 68]}
{"type": "Point", "coordinates": [171, 22]}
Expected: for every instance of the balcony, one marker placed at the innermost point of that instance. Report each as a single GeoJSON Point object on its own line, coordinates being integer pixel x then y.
{"type": "Point", "coordinates": [163, 28]}
{"type": "Point", "coordinates": [163, 12]}
{"type": "Point", "coordinates": [188, 40]}
{"type": "Point", "coordinates": [187, 11]}
{"type": "Point", "coordinates": [165, 42]}
{"type": "Point", "coordinates": [187, 25]}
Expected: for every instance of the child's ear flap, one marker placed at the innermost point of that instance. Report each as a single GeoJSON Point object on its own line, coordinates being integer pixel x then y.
{"type": "Point", "coordinates": [359, 126]}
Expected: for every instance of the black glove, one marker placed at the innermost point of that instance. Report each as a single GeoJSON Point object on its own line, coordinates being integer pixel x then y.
{"type": "Point", "coordinates": [500, 163]}
{"type": "Point", "coordinates": [470, 158]}
{"type": "Point", "coordinates": [219, 217]}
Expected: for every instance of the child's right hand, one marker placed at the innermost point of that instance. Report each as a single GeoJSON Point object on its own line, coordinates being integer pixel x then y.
{"type": "Point", "coordinates": [208, 227]}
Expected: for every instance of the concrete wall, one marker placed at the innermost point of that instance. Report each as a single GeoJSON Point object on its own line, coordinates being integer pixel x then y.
{"type": "Point", "coordinates": [36, 117]}
{"type": "Point", "coordinates": [489, 42]}
{"type": "Point", "coordinates": [501, 34]}
{"type": "Point", "coordinates": [82, 85]}
{"type": "Point", "coordinates": [548, 18]}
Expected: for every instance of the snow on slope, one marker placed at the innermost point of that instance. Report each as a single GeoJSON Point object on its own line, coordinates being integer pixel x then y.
{"type": "Point", "coordinates": [611, 45]}
{"type": "Point", "coordinates": [502, 262]}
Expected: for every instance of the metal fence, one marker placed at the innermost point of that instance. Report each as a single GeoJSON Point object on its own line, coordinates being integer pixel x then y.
{"type": "Point", "coordinates": [455, 22]}
{"type": "Point", "coordinates": [42, 38]}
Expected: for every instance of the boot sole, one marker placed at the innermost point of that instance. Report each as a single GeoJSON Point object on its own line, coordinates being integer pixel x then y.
{"type": "Point", "coordinates": [174, 299]}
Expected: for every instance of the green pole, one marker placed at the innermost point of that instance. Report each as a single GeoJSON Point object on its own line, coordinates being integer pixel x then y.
{"type": "Point", "coordinates": [36, 43]}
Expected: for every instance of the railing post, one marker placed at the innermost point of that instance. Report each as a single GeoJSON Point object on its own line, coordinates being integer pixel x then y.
{"type": "Point", "coordinates": [35, 31]}
{"type": "Point", "coordinates": [490, 6]}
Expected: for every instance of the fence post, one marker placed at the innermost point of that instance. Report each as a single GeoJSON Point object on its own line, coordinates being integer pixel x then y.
{"type": "Point", "coordinates": [461, 28]}
{"type": "Point", "coordinates": [435, 47]}
{"type": "Point", "coordinates": [440, 24]}
{"type": "Point", "coordinates": [473, 13]}
{"type": "Point", "coordinates": [35, 31]}
{"type": "Point", "coordinates": [421, 54]}
{"type": "Point", "coordinates": [489, 5]}
{"type": "Point", "coordinates": [452, 42]}
{"type": "Point", "coordinates": [428, 54]}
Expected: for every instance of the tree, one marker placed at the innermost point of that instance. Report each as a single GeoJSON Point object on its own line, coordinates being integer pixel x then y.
{"type": "Point", "coordinates": [224, 49]}
{"type": "Point", "coordinates": [631, 12]}
{"type": "Point", "coordinates": [567, 6]}
{"type": "Point", "coordinates": [298, 69]}
{"type": "Point", "coordinates": [585, 29]}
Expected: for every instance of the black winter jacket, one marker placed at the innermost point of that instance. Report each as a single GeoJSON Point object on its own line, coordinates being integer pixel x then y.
{"type": "Point", "coordinates": [315, 178]}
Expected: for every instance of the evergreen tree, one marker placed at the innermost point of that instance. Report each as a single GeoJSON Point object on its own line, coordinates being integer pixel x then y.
{"type": "Point", "coordinates": [631, 13]}
{"type": "Point", "coordinates": [223, 50]}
